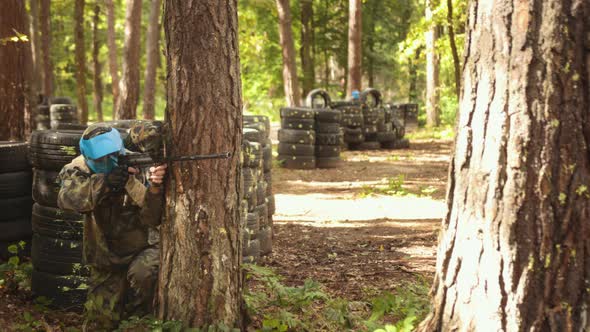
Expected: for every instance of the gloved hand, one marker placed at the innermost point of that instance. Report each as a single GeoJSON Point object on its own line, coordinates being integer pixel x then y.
{"type": "Point", "coordinates": [117, 178]}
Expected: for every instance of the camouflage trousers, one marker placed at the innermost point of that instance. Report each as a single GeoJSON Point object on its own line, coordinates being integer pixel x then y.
{"type": "Point", "coordinates": [118, 293]}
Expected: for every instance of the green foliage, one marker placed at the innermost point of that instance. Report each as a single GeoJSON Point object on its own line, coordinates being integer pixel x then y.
{"type": "Point", "coordinates": [443, 132]}
{"type": "Point", "coordinates": [150, 323]}
{"type": "Point", "coordinates": [15, 275]}
{"type": "Point", "coordinates": [394, 187]}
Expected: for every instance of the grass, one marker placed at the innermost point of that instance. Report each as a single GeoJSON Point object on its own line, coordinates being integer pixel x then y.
{"type": "Point", "coordinates": [446, 132]}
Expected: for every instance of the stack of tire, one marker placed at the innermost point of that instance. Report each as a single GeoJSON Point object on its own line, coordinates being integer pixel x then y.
{"type": "Point", "coordinates": [58, 271]}
{"type": "Point", "coordinates": [398, 126]}
{"type": "Point", "coordinates": [265, 207]}
{"type": "Point", "coordinates": [328, 139]}
{"type": "Point", "coordinates": [407, 114]}
{"type": "Point", "coordinates": [373, 119]}
{"type": "Point", "coordinates": [351, 121]}
{"type": "Point", "coordinates": [385, 135]}
{"type": "Point", "coordinates": [42, 118]}
{"type": "Point", "coordinates": [63, 114]}
{"type": "Point", "coordinates": [15, 196]}
{"type": "Point", "coordinates": [297, 138]}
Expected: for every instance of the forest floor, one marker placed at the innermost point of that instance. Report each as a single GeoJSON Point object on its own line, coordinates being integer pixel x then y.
{"type": "Point", "coordinates": [367, 227]}
{"type": "Point", "coordinates": [370, 225]}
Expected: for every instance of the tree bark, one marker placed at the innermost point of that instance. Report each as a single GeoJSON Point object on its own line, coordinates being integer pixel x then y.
{"type": "Point", "coordinates": [35, 45]}
{"type": "Point", "coordinates": [514, 246]}
{"type": "Point", "coordinates": [14, 61]}
{"type": "Point", "coordinates": [307, 62]}
{"type": "Point", "coordinates": [80, 60]}
{"type": "Point", "coordinates": [290, 81]}
{"type": "Point", "coordinates": [413, 71]}
{"type": "Point", "coordinates": [44, 18]}
{"type": "Point", "coordinates": [355, 27]}
{"type": "Point", "coordinates": [152, 47]}
{"type": "Point", "coordinates": [98, 88]}
{"type": "Point", "coordinates": [200, 278]}
{"type": "Point", "coordinates": [456, 62]}
{"type": "Point", "coordinates": [112, 46]}
{"type": "Point", "coordinates": [129, 85]}
{"type": "Point", "coordinates": [432, 70]}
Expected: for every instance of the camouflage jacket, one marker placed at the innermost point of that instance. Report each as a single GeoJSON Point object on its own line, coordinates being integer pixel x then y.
{"type": "Point", "coordinates": [117, 225]}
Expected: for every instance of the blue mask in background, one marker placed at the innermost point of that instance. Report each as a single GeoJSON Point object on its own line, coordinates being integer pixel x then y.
{"type": "Point", "coordinates": [103, 165]}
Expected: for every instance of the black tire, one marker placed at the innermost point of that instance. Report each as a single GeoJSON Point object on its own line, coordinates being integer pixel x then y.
{"type": "Point", "coordinates": [252, 250]}
{"type": "Point", "coordinates": [61, 100]}
{"type": "Point", "coordinates": [384, 127]}
{"type": "Point", "coordinates": [43, 110]}
{"type": "Point", "coordinates": [270, 202]}
{"type": "Point", "coordinates": [352, 120]}
{"type": "Point", "coordinates": [353, 138]}
{"type": "Point", "coordinates": [57, 256]}
{"type": "Point", "coordinates": [46, 145]}
{"type": "Point", "coordinates": [328, 116]}
{"type": "Point", "coordinates": [299, 124]}
{"type": "Point", "coordinates": [323, 151]}
{"type": "Point", "coordinates": [13, 156]}
{"type": "Point", "coordinates": [311, 96]}
{"type": "Point", "coordinates": [16, 229]}
{"type": "Point", "coordinates": [260, 127]}
{"type": "Point", "coordinates": [260, 191]}
{"type": "Point", "coordinates": [297, 162]}
{"type": "Point", "coordinates": [297, 136]}
{"type": "Point", "coordinates": [403, 143]}
{"type": "Point", "coordinates": [254, 155]}
{"type": "Point", "coordinates": [297, 113]}
{"type": "Point", "coordinates": [15, 184]}
{"type": "Point", "coordinates": [376, 94]}
{"type": "Point", "coordinates": [67, 126]}
{"type": "Point", "coordinates": [332, 162]}
{"type": "Point", "coordinates": [399, 128]}
{"type": "Point", "coordinates": [342, 104]}
{"type": "Point", "coordinates": [262, 211]}
{"type": "Point", "coordinates": [63, 113]}
{"type": "Point", "coordinates": [15, 208]}
{"type": "Point", "coordinates": [253, 135]}
{"type": "Point", "coordinates": [388, 145]}
{"type": "Point", "coordinates": [56, 223]}
{"type": "Point", "coordinates": [296, 149]}
{"type": "Point", "coordinates": [387, 136]}
{"type": "Point", "coordinates": [258, 118]}
{"type": "Point", "coordinates": [370, 129]}
{"type": "Point", "coordinates": [265, 239]}
{"type": "Point", "coordinates": [328, 139]}
{"type": "Point", "coordinates": [268, 180]}
{"type": "Point", "coordinates": [267, 158]}
{"type": "Point", "coordinates": [369, 145]}
{"type": "Point", "coordinates": [327, 128]}
{"type": "Point", "coordinates": [253, 221]}
{"type": "Point", "coordinates": [65, 292]}
{"type": "Point", "coordinates": [45, 187]}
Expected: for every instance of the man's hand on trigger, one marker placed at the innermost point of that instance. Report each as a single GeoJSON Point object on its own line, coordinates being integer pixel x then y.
{"type": "Point", "coordinates": [117, 179]}
{"type": "Point", "coordinates": [157, 174]}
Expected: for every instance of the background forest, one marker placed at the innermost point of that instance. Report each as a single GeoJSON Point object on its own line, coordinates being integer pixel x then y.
{"type": "Point", "coordinates": [393, 51]}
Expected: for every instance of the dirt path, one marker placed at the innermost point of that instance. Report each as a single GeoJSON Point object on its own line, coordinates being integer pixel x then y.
{"type": "Point", "coordinates": [335, 227]}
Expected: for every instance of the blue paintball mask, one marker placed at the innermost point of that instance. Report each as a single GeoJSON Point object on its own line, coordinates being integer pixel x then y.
{"type": "Point", "coordinates": [102, 151]}
{"type": "Point", "coordinates": [355, 95]}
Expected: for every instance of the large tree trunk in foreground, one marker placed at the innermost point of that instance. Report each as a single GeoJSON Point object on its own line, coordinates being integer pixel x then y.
{"type": "Point", "coordinates": [306, 45]}
{"type": "Point", "coordinates": [80, 60]}
{"type": "Point", "coordinates": [14, 63]}
{"type": "Point", "coordinates": [98, 88]}
{"type": "Point", "coordinates": [112, 46]}
{"type": "Point", "coordinates": [129, 85]}
{"type": "Point", "coordinates": [355, 28]}
{"type": "Point", "coordinates": [200, 278]}
{"type": "Point", "coordinates": [152, 48]}
{"type": "Point", "coordinates": [44, 19]}
{"type": "Point", "coordinates": [514, 252]}
{"type": "Point", "coordinates": [291, 84]}
{"type": "Point", "coordinates": [432, 70]}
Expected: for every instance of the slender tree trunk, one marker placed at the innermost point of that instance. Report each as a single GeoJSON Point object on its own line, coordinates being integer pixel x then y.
{"type": "Point", "coordinates": [413, 89]}
{"type": "Point", "coordinates": [80, 60]}
{"type": "Point", "coordinates": [35, 45]}
{"type": "Point", "coordinates": [112, 46]}
{"type": "Point", "coordinates": [14, 61]}
{"type": "Point", "coordinates": [306, 45]}
{"type": "Point", "coordinates": [432, 70]}
{"type": "Point", "coordinates": [372, 7]}
{"type": "Point", "coordinates": [355, 27]}
{"type": "Point", "coordinates": [129, 85]}
{"type": "Point", "coordinates": [290, 81]}
{"type": "Point", "coordinates": [514, 247]}
{"type": "Point", "coordinates": [98, 89]}
{"type": "Point", "coordinates": [456, 62]}
{"type": "Point", "coordinates": [44, 18]}
{"type": "Point", "coordinates": [152, 47]}
{"type": "Point", "coordinates": [200, 278]}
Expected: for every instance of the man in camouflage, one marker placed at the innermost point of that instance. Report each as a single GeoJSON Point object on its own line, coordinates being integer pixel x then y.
{"type": "Point", "coordinates": [121, 216]}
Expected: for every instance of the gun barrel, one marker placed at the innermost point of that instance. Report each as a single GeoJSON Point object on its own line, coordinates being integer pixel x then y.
{"type": "Point", "coordinates": [224, 155]}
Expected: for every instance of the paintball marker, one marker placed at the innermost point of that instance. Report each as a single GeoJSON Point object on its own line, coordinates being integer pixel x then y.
{"type": "Point", "coordinates": [141, 160]}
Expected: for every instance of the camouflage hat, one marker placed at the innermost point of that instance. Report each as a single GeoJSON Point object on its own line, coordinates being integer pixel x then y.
{"type": "Point", "coordinates": [145, 136]}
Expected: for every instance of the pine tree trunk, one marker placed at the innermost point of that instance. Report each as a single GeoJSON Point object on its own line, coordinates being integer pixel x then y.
{"type": "Point", "coordinates": [44, 19]}
{"type": "Point", "coordinates": [290, 81]}
{"type": "Point", "coordinates": [355, 26]}
{"type": "Point", "coordinates": [14, 61]}
{"type": "Point", "coordinates": [512, 252]}
{"type": "Point", "coordinates": [200, 278]}
{"type": "Point", "coordinates": [35, 45]}
{"type": "Point", "coordinates": [98, 89]}
{"type": "Point", "coordinates": [306, 45]}
{"type": "Point", "coordinates": [152, 47]}
{"type": "Point", "coordinates": [432, 71]}
{"type": "Point", "coordinates": [112, 46]}
{"type": "Point", "coordinates": [80, 60]}
{"type": "Point", "coordinates": [129, 85]}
